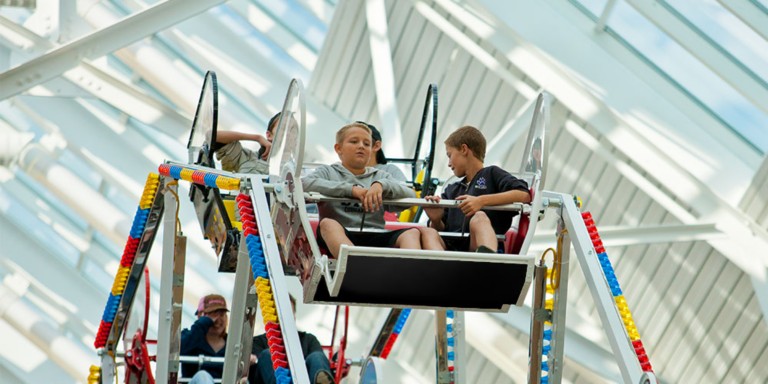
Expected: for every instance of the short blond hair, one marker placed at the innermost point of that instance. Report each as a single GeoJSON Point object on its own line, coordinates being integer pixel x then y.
{"type": "Point", "coordinates": [341, 133]}
{"type": "Point", "coordinates": [470, 136]}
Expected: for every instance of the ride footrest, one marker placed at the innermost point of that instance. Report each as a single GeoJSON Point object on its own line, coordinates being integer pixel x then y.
{"type": "Point", "coordinates": [428, 279]}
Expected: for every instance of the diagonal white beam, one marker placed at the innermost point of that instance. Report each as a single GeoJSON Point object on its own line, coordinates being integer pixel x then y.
{"type": "Point", "coordinates": [631, 235]}
{"type": "Point", "coordinates": [384, 75]}
{"type": "Point", "coordinates": [125, 97]}
{"type": "Point", "coordinates": [99, 43]}
{"type": "Point", "coordinates": [746, 82]}
{"type": "Point", "coordinates": [750, 13]}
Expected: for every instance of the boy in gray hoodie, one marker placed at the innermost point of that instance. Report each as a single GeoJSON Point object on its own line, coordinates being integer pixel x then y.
{"type": "Point", "coordinates": [353, 179]}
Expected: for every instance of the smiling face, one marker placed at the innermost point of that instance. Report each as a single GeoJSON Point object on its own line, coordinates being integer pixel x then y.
{"type": "Point", "coordinates": [354, 150]}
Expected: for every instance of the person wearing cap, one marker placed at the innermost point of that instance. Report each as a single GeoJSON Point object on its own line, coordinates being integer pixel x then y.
{"type": "Point", "coordinates": [208, 337]}
{"type": "Point", "coordinates": [235, 158]}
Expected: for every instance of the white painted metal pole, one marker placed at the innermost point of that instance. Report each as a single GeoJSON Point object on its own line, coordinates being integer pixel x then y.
{"type": "Point", "coordinates": [164, 336]}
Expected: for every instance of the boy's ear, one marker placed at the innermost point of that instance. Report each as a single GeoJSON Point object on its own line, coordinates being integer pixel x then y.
{"type": "Point", "coordinates": [376, 146]}
{"type": "Point", "coordinates": [337, 148]}
{"type": "Point", "coordinates": [465, 150]}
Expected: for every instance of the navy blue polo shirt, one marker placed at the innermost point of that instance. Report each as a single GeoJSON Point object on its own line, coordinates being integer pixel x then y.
{"type": "Point", "coordinates": [487, 181]}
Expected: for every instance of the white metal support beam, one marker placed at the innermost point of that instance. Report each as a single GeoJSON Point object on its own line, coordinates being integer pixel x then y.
{"type": "Point", "coordinates": [100, 84]}
{"type": "Point", "coordinates": [383, 74]}
{"type": "Point", "coordinates": [746, 82]}
{"type": "Point", "coordinates": [99, 43]}
{"type": "Point", "coordinates": [631, 235]}
{"type": "Point", "coordinates": [607, 10]}
{"type": "Point", "coordinates": [750, 13]}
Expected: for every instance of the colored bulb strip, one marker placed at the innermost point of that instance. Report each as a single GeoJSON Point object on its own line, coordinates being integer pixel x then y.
{"type": "Point", "coordinates": [401, 321]}
{"type": "Point", "coordinates": [150, 190]}
{"type": "Point", "coordinates": [126, 260]}
{"type": "Point", "coordinates": [197, 176]}
{"type": "Point", "coordinates": [121, 278]}
{"type": "Point", "coordinates": [263, 287]}
{"type": "Point", "coordinates": [613, 284]}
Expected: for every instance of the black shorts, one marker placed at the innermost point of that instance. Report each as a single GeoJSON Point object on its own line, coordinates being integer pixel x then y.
{"type": "Point", "coordinates": [461, 244]}
{"type": "Point", "coordinates": [382, 239]}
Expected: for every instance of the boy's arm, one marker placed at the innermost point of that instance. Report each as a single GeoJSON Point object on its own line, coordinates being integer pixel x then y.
{"type": "Point", "coordinates": [514, 190]}
{"type": "Point", "coordinates": [392, 188]}
{"type": "Point", "coordinates": [226, 137]}
{"type": "Point", "coordinates": [471, 204]}
{"type": "Point", "coordinates": [319, 181]}
{"type": "Point", "coordinates": [435, 215]}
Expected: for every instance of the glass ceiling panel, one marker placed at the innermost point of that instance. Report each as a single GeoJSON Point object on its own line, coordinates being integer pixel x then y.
{"type": "Point", "coordinates": [685, 71]}
{"type": "Point", "coordinates": [727, 31]}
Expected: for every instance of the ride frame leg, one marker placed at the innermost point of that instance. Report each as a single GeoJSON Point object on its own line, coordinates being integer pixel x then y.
{"type": "Point", "coordinates": [171, 292]}
{"type": "Point", "coordinates": [278, 281]}
{"type": "Point", "coordinates": [625, 355]}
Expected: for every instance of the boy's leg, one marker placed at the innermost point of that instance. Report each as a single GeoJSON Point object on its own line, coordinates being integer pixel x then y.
{"type": "Point", "coordinates": [410, 239]}
{"type": "Point", "coordinates": [430, 239]}
{"type": "Point", "coordinates": [481, 233]}
{"type": "Point", "coordinates": [333, 235]}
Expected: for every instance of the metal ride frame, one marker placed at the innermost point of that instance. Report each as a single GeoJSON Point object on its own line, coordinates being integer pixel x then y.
{"type": "Point", "coordinates": [278, 234]}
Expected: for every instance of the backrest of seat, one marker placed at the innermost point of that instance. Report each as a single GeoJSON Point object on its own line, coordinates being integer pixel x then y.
{"type": "Point", "coordinates": [533, 167]}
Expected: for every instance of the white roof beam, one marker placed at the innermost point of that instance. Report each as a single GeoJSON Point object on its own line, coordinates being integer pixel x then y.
{"type": "Point", "coordinates": [750, 13]}
{"type": "Point", "coordinates": [125, 97]}
{"type": "Point", "coordinates": [603, 20]}
{"type": "Point", "coordinates": [99, 43]}
{"type": "Point", "coordinates": [746, 82]}
{"type": "Point", "coordinates": [631, 235]}
{"type": "Point", "coordinates": [384, 75]}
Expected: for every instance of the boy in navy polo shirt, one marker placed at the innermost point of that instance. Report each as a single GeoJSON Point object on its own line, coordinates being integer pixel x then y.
{"type": "Point", "coordinates": [480, 186]}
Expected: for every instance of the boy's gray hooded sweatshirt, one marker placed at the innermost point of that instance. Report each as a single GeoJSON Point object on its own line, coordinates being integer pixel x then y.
{"type": "Point", "coordinates": [336, 181]}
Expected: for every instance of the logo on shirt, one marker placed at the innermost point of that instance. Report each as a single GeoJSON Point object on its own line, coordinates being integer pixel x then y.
{"type": "Point", "coordinates": [480, 184]}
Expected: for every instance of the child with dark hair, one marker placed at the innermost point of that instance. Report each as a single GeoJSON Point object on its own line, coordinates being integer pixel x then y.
{"type": "Point", "coordinates": [378, 159]}
{"type": "Point", "coordinates": [479, 187]}
{"type": "Point", "coordinates": [235, 158]}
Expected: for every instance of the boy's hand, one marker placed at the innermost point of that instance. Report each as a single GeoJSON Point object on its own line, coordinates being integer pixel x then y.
{"type": "Point", "coordinates": [470, 204]}
{"type": "Point", "coordinates": [267, 147]}
{"type": "Point", "coordinates": [434, 214]}
{"type": "Point", "coordinates": [373, 198]}
{"type": "Point", "coordinates": [358, 193]}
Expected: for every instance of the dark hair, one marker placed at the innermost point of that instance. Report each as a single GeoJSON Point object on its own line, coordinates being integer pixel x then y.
{"type": "Point", "coordinates": [470, 136]}
{"type": "Point", "coordinates": [272, 124]}
{"type": "Point", "coordinates": [376, 136]}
